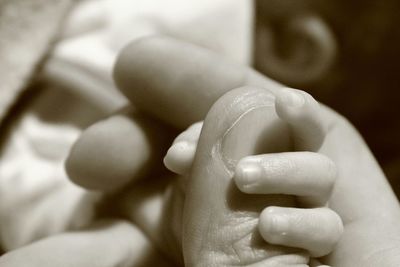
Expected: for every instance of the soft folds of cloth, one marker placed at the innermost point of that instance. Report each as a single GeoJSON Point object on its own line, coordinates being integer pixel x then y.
{"type": "Point", "coordinates": [25, 37]}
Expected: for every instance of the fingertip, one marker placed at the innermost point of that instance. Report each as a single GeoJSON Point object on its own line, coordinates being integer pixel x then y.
{"type": "Point", "coordinates": [77, 164]}
{"type": "Point", "coordinates": [134, 74]}
{"type": "Point", "coordinates": [115, 151]}
{"type": "Point", "coordinates": [315, 230]}
{"type": "Point", "coordinates": [94, 162]}
{"type": "Point", "coordinates": [316, 263]}
{"type": "Point", "coordinates": [179, 157]}
{"type": "Point", "coordinates": [191, 134]}
{"type": "Point", "coordinates": [273, 225]}
{"type": "Point", "coordinates": [290, 98]}
{"type": "Point", "coordinates": [247, 175]}
{"type": "Point", "coordinates": [303, 113]}
{"type": "Point", "coordinates": [292, 104]}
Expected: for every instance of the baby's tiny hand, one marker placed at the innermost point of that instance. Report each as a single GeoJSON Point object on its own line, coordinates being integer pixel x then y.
{"type": "Point", "coordinates": [308, 175]}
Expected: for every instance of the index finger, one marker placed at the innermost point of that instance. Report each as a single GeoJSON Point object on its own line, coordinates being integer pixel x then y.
{"type": "Point", "coordinates": [178, 81]}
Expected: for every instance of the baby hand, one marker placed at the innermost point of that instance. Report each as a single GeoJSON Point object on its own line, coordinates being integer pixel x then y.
{"type": "Point", "coordinates": [310, 176]}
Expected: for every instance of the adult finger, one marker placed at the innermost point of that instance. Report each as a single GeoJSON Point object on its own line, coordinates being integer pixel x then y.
{"type": "Point", "coordinates": [308, 175]}
{"type": "Point", "coordinates": [316, 230]}
{"type": "Point", "coordinates": [107, 244]}
{"type": "Point", "coordinates": [117, 150]}
{"type": "Point", "coordinates": [177, 81]}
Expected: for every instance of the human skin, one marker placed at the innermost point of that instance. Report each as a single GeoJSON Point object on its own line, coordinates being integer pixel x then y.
{"type": "Point", "coordinates": [250, 126]}
{"type": "Point", "coordinates": [365, 233]}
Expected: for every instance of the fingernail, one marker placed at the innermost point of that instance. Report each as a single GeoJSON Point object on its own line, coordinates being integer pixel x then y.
{"type": "Point", "coordinates": [276, 224]}
{"type": "Point", "coordinates": [291, 98]}
{"type": "Point", "coordinates": [248, 173]}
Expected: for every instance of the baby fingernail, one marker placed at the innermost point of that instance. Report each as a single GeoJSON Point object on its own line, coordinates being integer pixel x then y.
{"type": "Point", "coordinates": [291, 98]}
{"type": "Point", "coordinates": [277, 224]}
{"type": "Point", "coordinates": [248, 173]}
{"type": "Point", "coordinates": [273, 224]}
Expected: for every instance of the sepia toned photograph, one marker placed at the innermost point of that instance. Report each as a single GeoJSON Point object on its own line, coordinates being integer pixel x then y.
{"type": "Point", "coordinates": [199, 133]}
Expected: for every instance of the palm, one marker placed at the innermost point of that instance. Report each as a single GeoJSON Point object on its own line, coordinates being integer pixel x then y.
{"type": "Point", "coordinates": [363, 199]}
